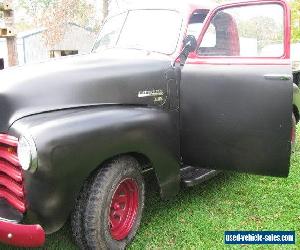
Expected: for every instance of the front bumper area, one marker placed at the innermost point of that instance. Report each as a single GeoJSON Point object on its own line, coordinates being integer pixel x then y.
{"type": "Point", "coordinates": [16, 234]}
{"type": "Point", "coordinates": [21, 235]}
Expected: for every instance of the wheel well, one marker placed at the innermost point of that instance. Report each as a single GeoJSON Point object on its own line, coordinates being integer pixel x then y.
{"type": "Point", "coordinates": [142, 159]}
{"type": "Point", "coordinates": [146, 167]}
{"type": "Point", "coordinates": [296, 113]}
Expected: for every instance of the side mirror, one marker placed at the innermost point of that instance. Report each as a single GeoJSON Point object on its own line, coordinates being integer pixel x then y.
{"type": "Point", "coordinates": [189, 45]}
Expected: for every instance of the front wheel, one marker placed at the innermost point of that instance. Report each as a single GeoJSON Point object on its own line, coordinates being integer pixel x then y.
{"type": "Point", "coordinates": [112, 207]}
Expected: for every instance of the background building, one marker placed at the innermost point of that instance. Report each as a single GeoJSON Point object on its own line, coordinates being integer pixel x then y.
{"type": "Point", "coordinates": [32, 47]}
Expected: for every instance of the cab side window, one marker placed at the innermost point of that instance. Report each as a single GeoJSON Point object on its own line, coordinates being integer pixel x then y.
{"type": "Point", "coordinates": [195, 27]}
{"type": "Point", "coordinates": [247, 31]}
{"type": "Point", "coordinates": [196, 23]}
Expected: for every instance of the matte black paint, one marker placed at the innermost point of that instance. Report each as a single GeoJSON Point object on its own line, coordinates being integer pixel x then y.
{"type": "Point", "coordinates": [83, 110]}
{"type": "Point", "coordinates": [110, 77]}
{"type": "Point", "coordinates": [71, 144]}
{"type": "Point", "coordinates": [1, 63]}
{"type": "Point", "coordinates": [8, 213]}
{"type": "Point", "coordinates": [233, 118]}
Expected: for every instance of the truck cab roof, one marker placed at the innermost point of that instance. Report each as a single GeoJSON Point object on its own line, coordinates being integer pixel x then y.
{"type": "Point", "coordinates": [178, 5]}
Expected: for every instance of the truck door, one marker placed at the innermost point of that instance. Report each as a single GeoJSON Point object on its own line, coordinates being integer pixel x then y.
{"type": "Point", "coordinates": [236, 91]}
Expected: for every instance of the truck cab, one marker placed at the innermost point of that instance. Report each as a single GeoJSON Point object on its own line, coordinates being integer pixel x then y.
{"type": "Point", "coordinates": [183, 90]}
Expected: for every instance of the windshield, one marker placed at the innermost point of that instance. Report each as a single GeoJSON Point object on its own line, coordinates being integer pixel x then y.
{"type": "Point", "coordinates": [152, 30]}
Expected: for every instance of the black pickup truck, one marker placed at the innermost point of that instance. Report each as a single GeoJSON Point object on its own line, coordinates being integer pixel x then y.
{"type": "Point", "coordinates": [178, 90]}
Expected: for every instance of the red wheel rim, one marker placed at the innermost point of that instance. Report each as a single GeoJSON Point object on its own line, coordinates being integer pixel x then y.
{"type": "Point", "coordinates": [123, 209]}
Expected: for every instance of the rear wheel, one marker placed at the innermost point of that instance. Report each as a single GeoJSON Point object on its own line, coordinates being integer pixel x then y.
{"type": "Point", "coordinates": [112, 206]}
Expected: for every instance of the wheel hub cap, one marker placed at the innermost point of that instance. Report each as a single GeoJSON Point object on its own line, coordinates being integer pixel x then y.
{"type": "Point", "coordinates": [123, 209]}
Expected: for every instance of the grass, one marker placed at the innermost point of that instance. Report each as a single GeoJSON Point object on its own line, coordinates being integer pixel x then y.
{"type": "Point", "coordinates": [198, 217]}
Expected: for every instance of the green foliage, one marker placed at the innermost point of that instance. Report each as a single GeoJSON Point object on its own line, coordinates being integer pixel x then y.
{"type": "Point", "coordinates": [295, 5]}
{"type": "Point", "coordinates": [263, 28]}
{"type": "Point", "coordinates": [54, 15]}
{"type": "Point", "coordinates": [77, 11]}
{"type": "Point", "coordinates": [35, 7]}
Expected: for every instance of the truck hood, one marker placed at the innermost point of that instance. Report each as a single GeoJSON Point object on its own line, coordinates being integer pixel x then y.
{"type": "Point", "coordinates": [112, 77]}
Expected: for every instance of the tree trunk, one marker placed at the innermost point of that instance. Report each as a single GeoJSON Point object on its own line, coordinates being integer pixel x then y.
{"type": "Point", "coordinates": [11, 41]}
{"type": "Point", "coordinates": [12, 51]}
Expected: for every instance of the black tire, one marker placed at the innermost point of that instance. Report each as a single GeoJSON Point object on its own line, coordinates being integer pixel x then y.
{"type": "Point", "coordinates": [96, 205]}
{"type": "Point", "coordinates": [77, 217]}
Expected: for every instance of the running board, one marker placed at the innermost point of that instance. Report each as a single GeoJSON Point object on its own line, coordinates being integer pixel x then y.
{"type": "Point", "coordinates": [191, 176]}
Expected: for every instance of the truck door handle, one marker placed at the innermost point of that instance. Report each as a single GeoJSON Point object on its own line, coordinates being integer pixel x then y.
{"type": "Point", "coordinates": [278, 77]}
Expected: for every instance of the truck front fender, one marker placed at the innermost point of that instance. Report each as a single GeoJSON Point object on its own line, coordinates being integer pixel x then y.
{"type": "Point", "coordinates": [71, 144]}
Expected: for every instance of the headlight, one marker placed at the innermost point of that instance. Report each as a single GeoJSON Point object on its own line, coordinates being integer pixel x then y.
{"type": "Point", "coordinates": [27, 154]}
